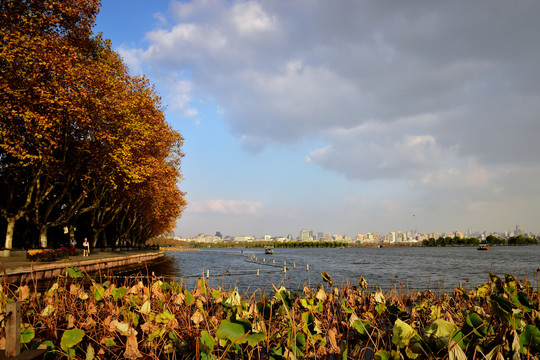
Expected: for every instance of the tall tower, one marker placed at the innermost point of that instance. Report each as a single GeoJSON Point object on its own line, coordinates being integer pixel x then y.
{"type": "Point", "coordinates": [304, 235]}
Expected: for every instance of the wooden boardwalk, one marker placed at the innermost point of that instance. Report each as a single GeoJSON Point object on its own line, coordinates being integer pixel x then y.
{"type": "Point", "coordinates": [15, 269]}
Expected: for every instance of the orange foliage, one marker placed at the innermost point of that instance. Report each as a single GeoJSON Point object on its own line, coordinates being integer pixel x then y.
{"type": "Point", "coordinates": [87, 134]}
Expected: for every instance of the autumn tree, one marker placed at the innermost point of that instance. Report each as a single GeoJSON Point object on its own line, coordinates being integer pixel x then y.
{"type": "Point", "coordinates": [78, 134]}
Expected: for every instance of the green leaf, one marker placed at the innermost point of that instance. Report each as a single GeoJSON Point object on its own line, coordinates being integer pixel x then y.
{"type": "Point", "coordinates": [70, 338]}
{"type": "Point", "coordinates": [312, 304]}
{"type": "Point", "coordinates": [74, 273]}
{"type": "Point", "coordinates": [442, 331]}
{"type": "Point", "coordinates": [133, 300]}
{"type": "Point", "coordinates": [310, 325]}
{"type": "Point", "coordinates": [109, 342]}
{"type": "Point", "coordinates": [90, 352]}
{"type": "Point", "coordinates": [118, 293]}
{"type": "Point", "coordinates": [344, 349]}
{"type": "Point", "coordinates": [403, 334]}
{"type": "Point", "coordinates": [48, 344]}
{"type": "Point", "coordinates": [201, 283]}
{"type": "Point", "coordinates": [362, 326]}
{"type": "Point", "coordinates": [176, 287]}
{"type": "Point", "coordinates": [529, 339]}
{"type": "Point", "coordinates": [233, 331]}
{"type": "Point", "coordinates": [297, 344]}
{"type": "Point", "coordinates": [523, 301]}
{"type": "Point", "coordinates": [27, 333]}
{"type": "Point", "coordinates": [230, 331]}
{"type": "Point", "coordinates": [502, 307]}
{"type": "Point", "coordinates": [98, 291]}
{"type": "Point", "coordinates": [510, 288]}
{"type": "Point", "coordinates": [474, 322]}
{"type": "Point", "coordinates": [159, 332]}
{"type": "Point", "coordinates": [348, 310]}
{"type": "Point", "coordinates": [387, 355]}
{"type": "Point", "coordinates": [190, 299]}
{"type": "Point", "coordinates": [164, 317]}
{"type": "Point", "coordinates": [283, 296]}
{"type": "Point", "coordinates": [398, 312]}
{"type": "Point", "coordinates": [206, 345]}
{"type": "Point", "coordinates": [483, 290]}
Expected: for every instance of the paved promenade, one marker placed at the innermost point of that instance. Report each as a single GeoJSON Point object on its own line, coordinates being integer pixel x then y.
{"type": "Point", "coordinates": [17, 268]}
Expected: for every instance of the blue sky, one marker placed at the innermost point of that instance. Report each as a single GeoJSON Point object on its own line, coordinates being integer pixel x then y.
{"type": "Point", "coordinates": [344, 117]}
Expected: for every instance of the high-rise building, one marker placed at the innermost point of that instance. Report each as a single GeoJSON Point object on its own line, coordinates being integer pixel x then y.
{"type": "Point", "coordinates": [304, 235]}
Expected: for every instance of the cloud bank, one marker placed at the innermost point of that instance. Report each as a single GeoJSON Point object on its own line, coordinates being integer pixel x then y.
{"type": "Point", "coordinates": [442, 95]}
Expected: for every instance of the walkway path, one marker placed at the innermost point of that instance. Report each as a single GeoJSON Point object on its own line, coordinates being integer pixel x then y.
{"type": "Point", "coordinates": [17, 268]}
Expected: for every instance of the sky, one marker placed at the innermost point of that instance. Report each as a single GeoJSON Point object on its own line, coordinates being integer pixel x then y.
{"type": "Point", "coordinates": [344, 117]}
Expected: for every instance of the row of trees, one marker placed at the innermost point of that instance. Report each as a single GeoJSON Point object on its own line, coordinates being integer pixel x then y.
{"type": "Point", "coordinates": [85, 149]}
{"type": "Point", "coordinates": [490, 239]}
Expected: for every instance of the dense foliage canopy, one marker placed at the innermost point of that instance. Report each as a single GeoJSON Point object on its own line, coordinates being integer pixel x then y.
{"type": "Point", "coordinates": [85, 149]}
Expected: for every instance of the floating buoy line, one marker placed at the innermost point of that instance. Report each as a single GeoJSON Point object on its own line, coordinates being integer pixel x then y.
{"type": "Point", "coordinates": [278, 267]}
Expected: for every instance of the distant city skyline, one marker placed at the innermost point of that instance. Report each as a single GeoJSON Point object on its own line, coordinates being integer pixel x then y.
{"type": "Point", "coordinates": [306, 234]}
{"type": "Point", "coordinates": [344, 116]}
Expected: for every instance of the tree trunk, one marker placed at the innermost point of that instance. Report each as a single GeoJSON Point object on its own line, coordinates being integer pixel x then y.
{"type": "Point", "coordinates": [9, 232]}
{"type": "Point", "coordinates": [95, 237]}
{"type": "Point", "coordinates": [43, 237]}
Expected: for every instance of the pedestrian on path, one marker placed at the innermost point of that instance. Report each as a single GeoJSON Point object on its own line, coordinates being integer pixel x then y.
{"type": "Point", "coordinates": [86, 247]}
{"type": "Point", "coordinates": [72, 245]}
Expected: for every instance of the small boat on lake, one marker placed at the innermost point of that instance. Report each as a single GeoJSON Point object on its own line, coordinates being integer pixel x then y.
{"type": "Point", "coordinates": [269, 251]}
{"type": "Point", "coordinates": [482, 247]}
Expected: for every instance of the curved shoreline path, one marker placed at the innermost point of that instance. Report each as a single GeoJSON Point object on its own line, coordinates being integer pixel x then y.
{"type": "Point", "coordinates": [15, 269]}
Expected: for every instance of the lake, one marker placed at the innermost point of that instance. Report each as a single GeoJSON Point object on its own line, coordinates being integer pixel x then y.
{"type": "Point", "coordinates": [414, 268]}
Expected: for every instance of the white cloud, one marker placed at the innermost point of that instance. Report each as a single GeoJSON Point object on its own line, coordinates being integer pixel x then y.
{"type": "Point", "coordinates": [131, 58]}
{"type": "Point", "coordinates": [250, 18]}
{"type": "Point", "coordinates": [231, 207]}
{"type": "Point", "coordinates": [443, 96]}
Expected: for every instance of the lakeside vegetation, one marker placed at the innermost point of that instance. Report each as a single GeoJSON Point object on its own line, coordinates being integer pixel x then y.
{"type": "Point", "coordinates": [80, 318]}
{"type": "Point", "coordinates": [490, 240]}
{"type": "Point", "coordinates": [442, 241]}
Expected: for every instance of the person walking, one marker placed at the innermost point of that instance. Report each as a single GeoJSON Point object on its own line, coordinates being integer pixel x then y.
{"type": "Point", "coordinates": [86, 247]}
{"type": "Point", "coordinates": [72, 245]}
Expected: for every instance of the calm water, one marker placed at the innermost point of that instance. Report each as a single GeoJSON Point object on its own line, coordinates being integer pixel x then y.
{"type": "Point", "coordinates": [415, 268]}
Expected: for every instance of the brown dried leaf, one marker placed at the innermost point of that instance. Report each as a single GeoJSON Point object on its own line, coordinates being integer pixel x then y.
{"type": "Point", "coordinates": [173, 324]}
{"type": "Point", "coordinates": [179, 299]}
{"type": "Point", "coordinates": [197, 318]}
{"type": "Point", "coordinates": [24, 292]}
{"type": "Point", "coordinates": [334, 349]}
{"type": "Point", "coordinates": [71, 321]}
{"type": "Point", "coordinates": [321, 295]}
{"type": "Point", "coordinates": [89, 323]}
{"type": "Point", "coordinates": [132, 348]}
{"type": "Point", "coordinates": [107, 321]}
{"type": "Point", "coordinates": [91, 310]}
{"type": "Point", "coordinates": [73, 289]}
{"type": "Point", "coordinates": [148, 327]}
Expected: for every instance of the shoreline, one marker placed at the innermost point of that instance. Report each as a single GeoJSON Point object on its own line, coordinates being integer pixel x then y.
{"type": "Point", "coordinates": [16, 269]}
